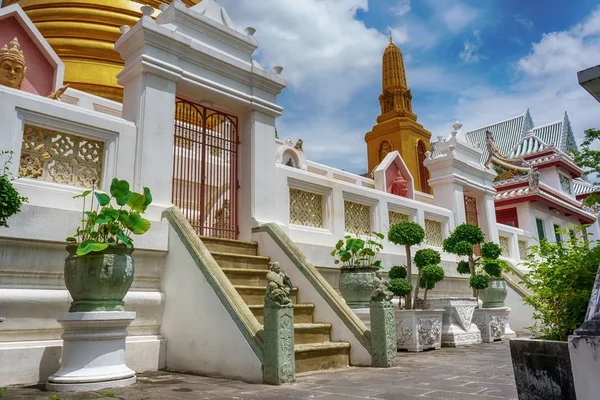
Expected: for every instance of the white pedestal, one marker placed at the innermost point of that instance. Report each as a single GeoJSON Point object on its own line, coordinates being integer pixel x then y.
{"type": "Point", "coordinates": [491, 323]}
{"type": "Point", "coordinates": [585, 362]}
{"type": "Point", "coordinates": [508, 332]}
{"type": "Point", "coordinates": [93, 354]}
{"type": "Point", "coordinates": [457, 327]}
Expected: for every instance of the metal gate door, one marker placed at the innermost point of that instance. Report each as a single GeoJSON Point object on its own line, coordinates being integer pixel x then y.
{"type": "Point", "coordinates": [205, 181]}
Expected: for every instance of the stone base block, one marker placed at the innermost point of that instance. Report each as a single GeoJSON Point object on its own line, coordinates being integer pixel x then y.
{"type": "Point", "coordinates": [585, 361]}
{"type": "Point", "coordinates": [418, 330]}
{"type": "Point", "coordinates": [93, 354]}
{"type": "Point", "coordinates": [457, 327]}
{"type": "Point", "coordinates": [279, 364]}
{"type": "Point", "coordinates": [491, 323]}
{"type": "Point", "coordinates": [383, 334]}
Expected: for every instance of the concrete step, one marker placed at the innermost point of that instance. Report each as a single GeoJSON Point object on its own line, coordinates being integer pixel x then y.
{"type": "Point", "coordinates": [247, 277]}
{"type": "Point", "coordinates": [312, 333]}
{"type": "Point", "coordinates": [230, 260]}
{"type": "Point", "coordinates": [319, 356]}
{"type": "Point", "coordinates": [303, 313]}
{"type": "Point", "coordinates": [230, 246]}
{"type": "Point", "coordinates": [254, 295]}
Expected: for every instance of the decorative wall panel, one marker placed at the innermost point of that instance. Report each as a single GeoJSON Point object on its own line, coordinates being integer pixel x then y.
{"type": "Point", "coordinates": [396, 218]}
{"type": "Point", "coordinates": [433, 233]}
{"type": "Point", "coordinates": [522, 249]}
{"type": "Point", "coordinates": [59, 157]}
{"type": "Point", "coordinates": [357, 218]}
{"type": "Point", "coordinates": [306, 208]}
{"type": "Point", "coordinates": [504, 245]}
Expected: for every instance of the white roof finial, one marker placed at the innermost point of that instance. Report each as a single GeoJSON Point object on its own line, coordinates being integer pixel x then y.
{"type": "Point", "coordinates": [213, 10]}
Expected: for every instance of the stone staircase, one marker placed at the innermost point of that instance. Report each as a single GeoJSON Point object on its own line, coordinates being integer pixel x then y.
{"type": "Point", "coordinates": [247, 271]}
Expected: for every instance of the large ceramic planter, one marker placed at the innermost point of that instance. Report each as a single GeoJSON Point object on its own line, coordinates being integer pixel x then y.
{"type": "Point", "coordinates": [99, 281]}
{"type": "Point", "coordinates": [495, 295]}
{"type": "Point", "coordinates": [458, 328]}
{"type": "Point", "coordinates": [356, 286]}
{"type": "Point", "coordinates": [418, 330]}
{"type": "Point", "coordinates": [542, 369]}
{"type": "Point", "coordinates": [492, 323]}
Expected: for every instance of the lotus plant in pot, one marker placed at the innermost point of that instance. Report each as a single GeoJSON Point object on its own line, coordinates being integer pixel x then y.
{"type": "Point", "coordinates": [418, 329]}
{"type": "Point", "coordinates": [359, 259]}
{"type": "Point", "coordinates": [99, 269]}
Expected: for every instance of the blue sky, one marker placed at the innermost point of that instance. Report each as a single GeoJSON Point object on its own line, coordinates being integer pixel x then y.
{"type": "Point", "coordinates": [478, 62]}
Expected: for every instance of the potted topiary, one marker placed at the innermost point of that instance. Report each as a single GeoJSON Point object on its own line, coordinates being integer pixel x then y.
{"type": "Point", "coordinates": [418, 329]}
{"type": "Point", "coordinates": [407, 234]}
{"type": "Point", "coordinates": [99, 269]}
{"type": "Point", "coordinates": [10, 200]}
{"type": "Point", "coordinates": [561, 278]}
{"type": "Point", "coordinates": [359, 259]}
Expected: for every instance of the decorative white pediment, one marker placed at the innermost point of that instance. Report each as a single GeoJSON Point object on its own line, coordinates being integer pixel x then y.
{"type": "Point", "coordinates": [387, 172]}
{"type": "Point", "coordinates": [291, 154]}
{"type": "Point", "coordinates": [45, 70]}
{"type": "Point", "coordinates": [213, 10]}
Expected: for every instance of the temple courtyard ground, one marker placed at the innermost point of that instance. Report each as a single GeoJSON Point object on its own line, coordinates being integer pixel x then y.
{"type": "Point", "coordinates": [477, 372]}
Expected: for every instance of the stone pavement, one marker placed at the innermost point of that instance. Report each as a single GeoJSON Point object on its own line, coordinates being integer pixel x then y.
{"type": "Point", "coordinates": [478, 372]}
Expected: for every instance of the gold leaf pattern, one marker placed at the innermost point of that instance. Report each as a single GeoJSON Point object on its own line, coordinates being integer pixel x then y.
{"type": "Point", "coordinates": [306, 208]}
{"type": "Point", "coordinates": [357, 218]}
{"type": "Point", "coordinates": [433, 233]}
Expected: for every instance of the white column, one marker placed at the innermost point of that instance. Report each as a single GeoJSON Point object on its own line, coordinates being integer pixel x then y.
{"type": "Point", "coordinates": [487, 218]}
{"type": "Point", "coordinates": [451, 195]}
{"type": "Point", "coordinates": [338, 212]}
{"type": "Point", "coordinates": [149, 102]}
{"type": "Point", "coordinates": [257, 172]}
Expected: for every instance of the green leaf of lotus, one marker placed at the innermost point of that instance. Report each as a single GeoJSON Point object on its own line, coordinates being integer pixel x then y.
{"type": "Point", "coordinates": [137, 202]}
{"type": "Point", "coordinates": [90, 246]}
{"type": "Point", "coordinates": [84, 194]}
{"type": "Point", "coordinates": [148, 197]}
{"type": "Point", "coordinates": [103, 199]}
{"type": "Point", "coordinates": [123, 238]}
{"type": "Point", "coordinates": [120, 191]}
{"type": "Point", "coordinates": [137, 224]}
{"type": "Point", "coordinates": [107, 215]}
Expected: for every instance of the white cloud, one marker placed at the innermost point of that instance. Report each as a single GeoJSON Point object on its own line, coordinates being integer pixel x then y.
{"type": "Point", "coordinates": [458, 16]}
{"type": "Point", "coordinates": [402, 8]}
{"type": "Point", "coordinates": [526, 22]}
{"type": "Point", "coordinates": [470, 52]}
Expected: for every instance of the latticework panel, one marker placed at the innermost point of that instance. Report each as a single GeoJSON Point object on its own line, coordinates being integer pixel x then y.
{"type": "Point", "coordinates": [396, 218]}
{"type": "Point", "coordinates": [433, 233]}
{"type": "Point", "coordinates": [522, 249]}
{"type": "Point", "coordinates": [357, 218]}
{"type": "Point", "coordinates": [59, 157]}
{"type": "Point", "coordinates": [504, 245]}
{"type": "Point", "coordinates": [306, 208]}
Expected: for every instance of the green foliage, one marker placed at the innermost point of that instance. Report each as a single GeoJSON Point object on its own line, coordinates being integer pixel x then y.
{"type": "Point", "coordinates": [10, 200]}
{"type": "Point", "coordinates": [463, 267]}
{"type": "Point", "coordinates": [431, 275]}
{"type": "Point", "coordinates": [54, 397]}
{"type": "Point", "coordinates": [561, 279]}
{"type": "Point", "coordinates": [105, 225]}
{"type": "Point", "coordinates": [491, 250]}
{"type": "Point", "coordinates": [479, 282]}
{"type": "Point", "coordinates": [108, 394]}
{"type": "Point", "coordinates": [406, 234]}
{"type": "Point", "coordinates": [397, 271]}
{"type": "Point", "coordinates": [2, 390]}
{"type": "Point", "coordinates": [468, 233]}
{"type": "Point", "coordinates": [588, 156]}
{"type": "Point", "coordinates": [493, 268]}
{"type": "Point", "coordinates": [354, 252]}
{"type": "Point", "coordinates": [400, 287]}
{"type": "Point", "coordinates": [592, 199]}
{"type": "Point", "coordinates": [426, 257]}
{"type": "Point", "coordinates": [463, 248]}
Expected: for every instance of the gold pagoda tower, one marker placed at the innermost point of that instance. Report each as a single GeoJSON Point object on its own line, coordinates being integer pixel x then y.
{"type": "Point", "coordinates": [83, 34]}
{"type": "Point", "coordinates": [397, 127]}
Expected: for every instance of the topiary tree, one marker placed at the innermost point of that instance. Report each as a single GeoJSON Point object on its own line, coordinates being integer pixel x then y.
{"type": "Point", "coordinates": [10, 200]}
{"type": "Point", "coordinates": [423, 259]}
{"type": "Point", "coordinates": [401, 287]}
{"type": "Point", "coordinates": [397, 271]}
{"type": "Point", "coordinates": [407, 234]}
{"type": "Point", "coordinates": [462, 243]}
{"type": "Point", "coordinates": [430, 276]}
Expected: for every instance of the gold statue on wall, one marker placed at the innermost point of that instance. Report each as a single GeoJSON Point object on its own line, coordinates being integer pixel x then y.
{"type": "Point", "coordinates": [12, 65]}
{"type": "Point", "coordinates": [13, 69]}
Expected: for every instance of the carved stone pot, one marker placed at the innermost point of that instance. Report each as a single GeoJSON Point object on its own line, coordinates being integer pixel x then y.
{"type": "Point", "coordinates": [418, 330]}
{"type": "Point", "coordinates": [495, 295]}
{"type": "Point", "coordinates": [99, 281]}
{"type": "Point", "coordinates": [356, 286]}
{"type": "Point", "coordinates": [458, 328]}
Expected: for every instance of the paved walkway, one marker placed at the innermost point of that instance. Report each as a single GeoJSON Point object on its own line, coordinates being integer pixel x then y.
{"type": "Point", "coordinates": [479, 372]}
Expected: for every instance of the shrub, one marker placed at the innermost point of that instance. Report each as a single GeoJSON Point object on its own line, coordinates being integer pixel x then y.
{"type": "Point", "coordinates": [10, 200]}
{"type": "Point", "coordinates": [463, 267]}
{"type": "Point", "coordinates": [493, 268]}
{"type": "Point", "coordinates": [491, 250]}
{"type": "Point", "coordinates": [407, 234]}
{"type": "Point", "coordinates": [430, 276]}
{"type": "Point", "coordinates": [400, 287]}
{"type": "Point", "coordinates": [426, 257]}
{"type": "Point", "coordinates": [561, 279]}
{"type": "Point", "coordinates": [397, 271]}
{"type": "Point", "coordinates": [479, 282]}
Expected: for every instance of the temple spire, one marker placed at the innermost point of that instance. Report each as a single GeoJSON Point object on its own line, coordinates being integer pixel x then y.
{"type": "Point", "coordinates": [394, 74]}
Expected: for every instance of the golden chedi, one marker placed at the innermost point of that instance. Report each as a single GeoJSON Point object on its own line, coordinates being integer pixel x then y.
{"type": "Point", "coordinates": [397, 127]}
{"type": "Point", "coordinates": [83, 33]}
{"type": "Point", "coordinates": [12, 65]}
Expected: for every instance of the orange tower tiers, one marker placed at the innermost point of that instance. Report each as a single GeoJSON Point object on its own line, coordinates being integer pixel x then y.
{"type": "Point", "coordinates": [83, 33]}
{"type": "Point", "coordinates": [397, 127]}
